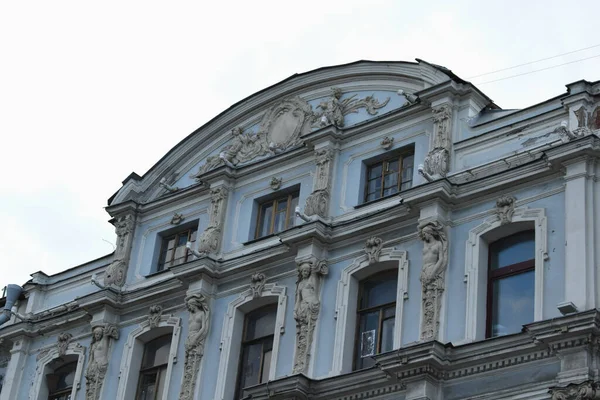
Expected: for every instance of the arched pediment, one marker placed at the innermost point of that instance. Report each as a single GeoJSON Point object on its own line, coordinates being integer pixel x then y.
{"type": "Point", "coordinates": [275, 119]}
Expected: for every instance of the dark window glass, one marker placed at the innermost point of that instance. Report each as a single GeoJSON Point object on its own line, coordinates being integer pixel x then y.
{"type": "Point", "coordinates": [511, 282]}
{"type": "Point", "coordinates": [60, 383]}
{"type": "Point", "coordinates": [173, 250]}
{"type": "Point", "coordinates": [376, 317]}
{"type": "Point", "coordinates": [153, 372]}
{"type": "Point", "coordinates": [257, 348]}
{"type": "Point", "coordinates": [276, 215]}
{"type": "Point", "coordinates": [389, 176]}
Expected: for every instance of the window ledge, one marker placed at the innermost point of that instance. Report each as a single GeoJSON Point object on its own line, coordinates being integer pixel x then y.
{"type": "Point", "coordinates": [368, 203]}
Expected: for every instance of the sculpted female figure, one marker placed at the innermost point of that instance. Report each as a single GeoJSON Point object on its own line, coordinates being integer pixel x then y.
{"type": "Point", "coordinates": [435, 260]}
{"type": "Point", "coordinates": [197, 306]}
{"type": "Point", "coordinates": [306, 309]}
{"type": "Point", "coordinates": [98, 363]}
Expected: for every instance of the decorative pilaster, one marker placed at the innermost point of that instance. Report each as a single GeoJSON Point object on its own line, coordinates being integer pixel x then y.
{"type": "Point", "coordinates": [437, 161]}
{"type": "Point", "coordinates": [582, 232]}
{"type": "Point", "coordinates": [317, 202]}
{"type": "Point", "coordinates": [588, 390]}
{"type": "Point", "coordinates": [116, 272]}
{"type": "Point", "coordinates": [435, 261]}
{"type": "Point", "coordinates": [14, 370]}
{"type": "Point", "coordinates": [307, 307]}
{"type": "Point", "coordinates": [98, 359]}
{"type": "Point", "coordinates": [210, 240]}
{"type": "Point", "coordinates": [199, 318]}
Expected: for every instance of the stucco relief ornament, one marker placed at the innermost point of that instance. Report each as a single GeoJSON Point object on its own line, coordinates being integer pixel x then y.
{"type": "Point", "coordinates": [98, 362]}
{"type": "Point", "coordinates": [387, 143]}
{"type": "Point", "coordinates": [275, 183]}
{"type": "Point", "coordinates": [586, 121]}
{"type": "Point", "coordinates": [306, 309]}
{"type": "Point", "coordinates": [437, 161]}
{"type": "Point", "coordinates": [116, 272]}
{"type": "Point", "coordinates": [587, 390]}
{"type": "Point", "coordinates": [317, 203]}
{"type": "Point", "coordinates": [435, 261]}
{"type": "Point", "coordinates": [566, 135]}
{"type": "Point", "coordinates": [373, 248]}
{"type": "Point", "coordinates": [505, 209]}
{"type": "Point", "coordinates": [197, 306]}
{"type": "Point", "coordinates": [210, 240]}
{"type": "Point", "coordinates": [257, 284]}
{"type": "Point", "coordinates": [154, 314]}
{"type": "Point", "coordinates": [177, 219]}
{"type": "Point", "coordinates": [62, 344]}
{"type": "Point", "coordinates": [335, 108]}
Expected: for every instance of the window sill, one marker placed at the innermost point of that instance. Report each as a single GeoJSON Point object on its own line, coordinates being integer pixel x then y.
{"type": "Point", "coordinates": [368, 203]}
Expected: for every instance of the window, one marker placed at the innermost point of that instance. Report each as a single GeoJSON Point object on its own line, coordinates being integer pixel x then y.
{"type": "Point", "coordinates": [376, 317]}
{"type": "Point", "coordinates": [173, 250]}
{"type": "Point", "coordinates": [153, 371]}
{"type": "Point", "coordinates": [257, 347]}
{"type": "Point", "coordinates": [389, 176]}
{"type": "Point", "coordinates": [511, 284]}
{"type": "Point", "coordinates": [276, 215]}
{"type": "Point", "coordinates": [60, 382]}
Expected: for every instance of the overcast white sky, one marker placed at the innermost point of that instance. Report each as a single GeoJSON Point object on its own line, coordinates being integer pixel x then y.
{"type": "Point", "coordinates": [91, 91]}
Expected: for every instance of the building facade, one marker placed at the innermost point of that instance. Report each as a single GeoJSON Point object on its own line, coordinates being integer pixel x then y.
{"type": "Point", "coordinates": [371, 230]}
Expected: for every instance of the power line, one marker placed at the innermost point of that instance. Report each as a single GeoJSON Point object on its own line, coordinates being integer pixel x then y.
{"type": "Point", "coordinates": [538, 70]}
{"type": "Point", "coordinates": [533, 62]}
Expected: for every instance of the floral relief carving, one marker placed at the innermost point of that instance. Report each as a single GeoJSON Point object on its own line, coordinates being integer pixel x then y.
{"type": "Point", "coordinates": [210, 240]}
{"type": "Point", "coordinates": [116, 272]}
{"type": "Point", "coordinates": [257, 284]}
{"type": "Point", "coordinates": [154, 314]}
{"type": "Point", "coordinates": [435, 261]}
{"type": "Point", "coordinates": [333, 110]}
{"type": "Point", "coordinates": [197, 306]}
{"type": "Point", "coordinates": [306, 308]}
{"type": "Point", "coordinates": [317, 203]}
{"type": "Point", "coordinates": [505, 209]}
{"type": "Point", "coordinates": [587, 390]}
{"type": "Point", "coordinates": [373, 248]}
{"type": "Point", "coordinates": [98, 361]}
{"type": "Point", "coordinates": [437, 161]}
{"type": "Point", "coordinates": [63, 343]}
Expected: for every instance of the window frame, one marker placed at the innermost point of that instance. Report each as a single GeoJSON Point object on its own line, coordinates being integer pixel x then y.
{"type": "Point", "coordinates": [274, 203]}
{"type": "Point", "coordinates": [502, 273]}
{"type": "Point", "coordinates": [381, 308]}
{"type": "Point", "coordinates": [270, 308]}
{"type": "Point", "coordinates": [165, 238]}
{"type": "Point", "coordinates": [58, 394]}
{"type": "Point", "coordinates": [395, 156]}
{"type": "Point", "coordinates": [157, 369]}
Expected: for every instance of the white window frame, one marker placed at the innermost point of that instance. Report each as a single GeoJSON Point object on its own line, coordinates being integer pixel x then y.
{"type": "Point", "coordinates": [134, 351]}
{"type": "Point", "coordinates": [476, 265]}
{"type": "Point", "coordinates": [39, 389]}
{"type": "Point", "coordinates": [231, 337]}
{"type": "Point", "coordinates": [346, 304]}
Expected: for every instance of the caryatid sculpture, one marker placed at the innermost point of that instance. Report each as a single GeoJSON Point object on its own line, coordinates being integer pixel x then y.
{"type": "Point", "coordinates": [197, 306]}
{"type": "Point", "coordinates": [98, 363]}
{"type": "Point", "coordinates": [306, 309]}
{"type": "Point", "coordinates": [435, 261]}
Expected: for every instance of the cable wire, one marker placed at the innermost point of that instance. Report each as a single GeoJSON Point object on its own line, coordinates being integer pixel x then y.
{"type": "Point", "coordinates": [532, 62]}
{"type": "Point", "coordinates": [538, 70]}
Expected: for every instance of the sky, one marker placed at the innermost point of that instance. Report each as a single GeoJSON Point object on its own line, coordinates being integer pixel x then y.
{"type": "Point", "coordinates": [92, 91]}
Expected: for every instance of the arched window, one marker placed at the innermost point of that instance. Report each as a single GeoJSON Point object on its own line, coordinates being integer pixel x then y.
{"type": "Point", "coordinates": [60, 381]}
{"type": "Point", "coordinates": [376, 317]}
{"type": "Point", "coordinates": [153, 371]}
{"type": "Point", "coordinates": [511, 284]}
{"type": "Point", "coordinates": [257, 347]}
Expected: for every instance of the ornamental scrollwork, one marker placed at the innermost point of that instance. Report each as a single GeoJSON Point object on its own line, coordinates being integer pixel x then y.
{"type": "Point", "coordinates": [505, 209]}
{"type": "Point", "coordinates": [154, 315]}
{"type": "Point", "coordinates": [373, 248]}
{"type": "Point", "coordinates": [333, 110]}
{"type": "Point", "coordinates": [587, 390]}
{"type": "Point", "coordinates": [437, 161]}
{"type": "Point", "coordinates": [257, 284]}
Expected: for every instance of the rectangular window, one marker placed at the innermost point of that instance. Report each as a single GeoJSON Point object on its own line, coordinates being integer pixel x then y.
{"type": "Point", "coordinates": [376, 317]}
{"type": "Point", "coordinates": [511, 284]}
{"type": "Point", "coordinates": [257, 347]}
{"type": "Point", "coordinates": [389, 176]}
{"type": "Point", "coordinates": [276, 215]}
{"type": "Point", "coordinates": [153, 373]}
{"type": "Point", "coordinates": [173, 249]}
